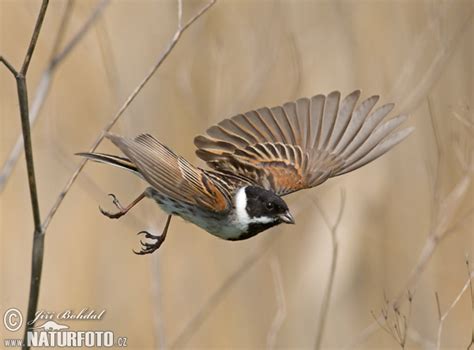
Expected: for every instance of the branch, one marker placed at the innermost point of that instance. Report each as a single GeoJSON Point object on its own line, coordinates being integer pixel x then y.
{"type": "Point", "coordinates": [180, 14]}
{"type": "Point", "coordinates": [46, 79]}
{"type": "Point", "coordinates": [38, 235]}
{"type": "Point", "coordinates": [332, 273]}
{"type": "Point", "coordinates": [470, 273]}
{"type": "Point", "coordinates": [445, 222]}
{"type": "Point", "coordinates": [34, 38]}
{"type": "Point", "coordinates": [450, 308]}
{"type": "Point", "coordinates": [394, 322]}
{"type": "Point", "coordinates": [129, 100]}
{"type": "Point", "coordinates": [8, 65]}
{"type": "Point", "coordinates": [201, 315]}
{"type": "Point", "coordinates": [204, 311]}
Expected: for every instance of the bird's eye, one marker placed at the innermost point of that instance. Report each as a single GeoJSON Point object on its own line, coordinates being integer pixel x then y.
{"type": "Point", "coordinates": [269, 205]}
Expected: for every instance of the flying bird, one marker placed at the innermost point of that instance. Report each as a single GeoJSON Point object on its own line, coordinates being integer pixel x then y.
{"type": "Point", "coordinates": [256, 158]}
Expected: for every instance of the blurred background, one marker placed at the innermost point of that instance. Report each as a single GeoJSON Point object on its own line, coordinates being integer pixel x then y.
{"type": "Point", "coordinates": [198, 291]}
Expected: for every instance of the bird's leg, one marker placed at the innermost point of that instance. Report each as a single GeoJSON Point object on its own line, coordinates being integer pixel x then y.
{"type": "Point", "coordinates": [148, 248]}
{"type": "Point", "coordinates": [122, 211]}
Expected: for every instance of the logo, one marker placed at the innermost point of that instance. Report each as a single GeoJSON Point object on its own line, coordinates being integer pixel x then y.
{"type": "Point", "coordinates": [57, 329]}
{"type": "Point", "coordinates": [13, 319]}
{"type": "Point", "coordinates": [51, 326]}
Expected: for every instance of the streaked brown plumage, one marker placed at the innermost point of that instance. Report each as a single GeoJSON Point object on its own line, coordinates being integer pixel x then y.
{"type": "Point", "coordinates": [257, 157]}
{"type": "Point", "coordinates": [301, 144]}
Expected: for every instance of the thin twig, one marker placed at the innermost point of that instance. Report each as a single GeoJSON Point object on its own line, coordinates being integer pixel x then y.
{"type": "Point", "coordinates": [38, 235]}
{"type": "Point", "coordinates": [62, 29]}
{"type": "Point", "coordinates": [201, 315]}
{"type": "Point", "coordinates": [34, 38]}
{"type": "Point", "coordinates": [450, 308]}
{"type": "Point", "coordinates": [129, 100]}
{"type": "Point", "coordinates": [281, 303]}
{"type": "Point", "coordinates": [180, 14]}
{"type": "Point", "coordinates": [157, 303]}
{"type": "Point", "coordinates": [204, 311]}
{"type": "Point", "coordinates": [46, 79]}
{"type": "Point", "coordinates": [435, 236]}
{"type": "Point", "coordinates": [8, 65]}
{"type": "Point", "coordinates": [332, 272]}
{"type": "Point", "coordinates": [470, 273]}
{"type": "Point", "coordinates": [438, 306]}
{"type": "Point", "coordinates": [393, 322]}
{"type": "Point", "coordinates": [444, 223]}
{"type": "Point", "coordinates": [96, 12]}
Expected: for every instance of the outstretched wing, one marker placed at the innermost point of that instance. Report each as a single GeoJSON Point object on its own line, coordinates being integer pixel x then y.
{"type": "Point", "coordinates": [172, 175]}
{"type": "Point", "coordinates": [301, 144]}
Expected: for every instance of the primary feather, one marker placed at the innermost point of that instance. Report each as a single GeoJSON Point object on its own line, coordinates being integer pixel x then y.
{"type": "Point", "coordinates": [301, 144]}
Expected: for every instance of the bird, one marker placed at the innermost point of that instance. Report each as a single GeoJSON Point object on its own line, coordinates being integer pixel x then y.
{"type": "Point", "coordinates": [254, 159]}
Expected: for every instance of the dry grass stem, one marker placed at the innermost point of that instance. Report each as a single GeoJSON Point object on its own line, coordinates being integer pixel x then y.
{"type": "Point", "coordinates": [44, 85]}
{"type": "Point", "coordinates": [206, 309]}
{"type": "Point", "coordinates": [195, 322]}
{"type": "Point", "coordinates": [445, 221]}
{"type": "Point", "coordinates": [395, 323]}
{"type": "Point", "coordinates": [281, 303]}
{"type": "Point", "coordinates": [38, 235]}
{"type": "Point", "coordinates": [122, 109]}
{"type": "Point", "coordinates": [38, 244]}
{"type": "Point", "coordinates": [332, 272]}
{"type": "Point", "coordinates": [443, 316]}
{"type": "Point", "coordinates": [471, 290]}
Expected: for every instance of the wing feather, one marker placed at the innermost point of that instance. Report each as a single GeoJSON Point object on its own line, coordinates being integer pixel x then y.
{"type": "Point", "coordinates": [366, 129]}
{"type": "Point", "coordinates": [301, 144]}
{"type": "Point", "coordinates": [170, 174]}
{"type": "Point", "coordinates": [304, 118]}
{"type": "Point", "coordinates": [329, 118]}
{"type": "Point", "coordinates": [342, 120]}
{"type": "Point", "coordinates": [316, 116]}
{"type": "Point", "coordinates": [355, 122]}
{"type": "Point", "coordinates": [293, 122]}
{"type": "Point", "coordinates": [270, 120]}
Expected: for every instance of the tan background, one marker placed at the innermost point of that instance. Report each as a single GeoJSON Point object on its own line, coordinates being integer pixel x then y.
{"type": "Point", "coordinates": [238, 56]}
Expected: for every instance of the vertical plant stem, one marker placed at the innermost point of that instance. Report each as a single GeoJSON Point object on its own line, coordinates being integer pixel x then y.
{"type": "Point", "coordinates": [25, 127]}
{"type": "Point", "coordinates": [332, 272]}
{"type": "Point", "coordinates": [34, 37]}
{"type": "Point", "coordinates": [38, 236]}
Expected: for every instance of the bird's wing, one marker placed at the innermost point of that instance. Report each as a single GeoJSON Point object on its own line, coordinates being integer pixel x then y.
{"type": "Point", "coordinates": [301, 144]}
{"type": "Point", "coordinates": [170, 174]}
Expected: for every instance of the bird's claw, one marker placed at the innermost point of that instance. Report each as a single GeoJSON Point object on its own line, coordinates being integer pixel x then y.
{"type": "Point", "coordinates": [148, 248]}
{"type": "Point", "coordinates": [117, 204]}
{"type": "Point", "coordinates": [116, 201]}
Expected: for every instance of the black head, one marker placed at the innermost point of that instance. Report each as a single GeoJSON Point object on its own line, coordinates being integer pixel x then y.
{"type": "Point", "coordinates": [260, 209]}
{"type": "Point", "coordinates": [262, 203]}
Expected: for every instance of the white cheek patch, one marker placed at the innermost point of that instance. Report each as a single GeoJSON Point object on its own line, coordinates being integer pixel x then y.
{"type": "Point", "coordinates": [240, 207]}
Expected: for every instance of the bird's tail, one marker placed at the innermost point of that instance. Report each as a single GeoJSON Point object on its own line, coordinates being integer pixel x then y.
{"type": "Point", "coordinates": [119, 162]}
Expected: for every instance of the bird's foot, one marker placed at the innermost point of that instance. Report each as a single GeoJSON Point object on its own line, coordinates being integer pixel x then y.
{"type": "Point", "coordinates": [122, 211]}
{"type": "Point", "coordinates": [148, 248]}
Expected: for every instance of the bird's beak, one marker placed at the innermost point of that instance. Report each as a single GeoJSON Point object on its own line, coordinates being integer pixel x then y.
{"type": "Point", "coordinates": [287, 218]}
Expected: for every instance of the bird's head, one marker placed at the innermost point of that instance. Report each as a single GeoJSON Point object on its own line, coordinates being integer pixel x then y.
{"type": "Point", "coordinates": [261, 208]}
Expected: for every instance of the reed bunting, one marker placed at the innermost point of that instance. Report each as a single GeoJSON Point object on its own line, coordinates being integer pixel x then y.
{"type": "Point", "coordinates": [256, 158]}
